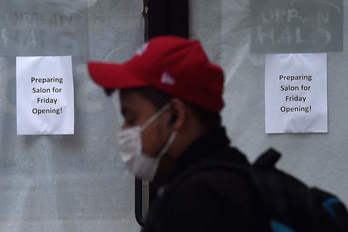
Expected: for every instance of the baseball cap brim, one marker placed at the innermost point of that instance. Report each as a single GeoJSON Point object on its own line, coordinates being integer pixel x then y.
{"type": "Point", "coordinates": [113, 76]}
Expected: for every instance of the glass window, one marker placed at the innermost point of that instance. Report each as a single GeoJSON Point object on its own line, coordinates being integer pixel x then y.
{"type": "Point", "coordinates": [74, 182]}
{"type": "Point", "coordinates": [237, 34]}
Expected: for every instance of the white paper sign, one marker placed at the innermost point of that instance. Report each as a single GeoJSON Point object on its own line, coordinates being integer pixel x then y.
{"type": "Point", "coordinates": [296, 93]}
{"type": "Point", "coordinates": [45, 95]}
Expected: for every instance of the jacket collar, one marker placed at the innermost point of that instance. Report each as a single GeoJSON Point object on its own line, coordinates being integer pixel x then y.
{"type": "Point", "coordinates": [214, 146]}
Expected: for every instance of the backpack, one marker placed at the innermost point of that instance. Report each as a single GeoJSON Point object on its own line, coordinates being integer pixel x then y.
{"type": "Point", "coordinates": [288, 205]}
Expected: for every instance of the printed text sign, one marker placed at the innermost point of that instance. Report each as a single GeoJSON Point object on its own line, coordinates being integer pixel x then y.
{"type": "Point", "coordinates": [45, 95]}
{"type": "Point", "coordinates": [296, 93]}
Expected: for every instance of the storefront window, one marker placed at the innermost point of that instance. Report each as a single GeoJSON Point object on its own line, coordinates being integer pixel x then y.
{"type": "Point", "coordinates": [238, 34]}
{"type": "Point", "coordinates": [66, 182]}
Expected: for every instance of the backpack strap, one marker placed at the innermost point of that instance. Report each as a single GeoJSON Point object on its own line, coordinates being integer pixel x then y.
{"type": "Point", "coordinates": [268, 159]}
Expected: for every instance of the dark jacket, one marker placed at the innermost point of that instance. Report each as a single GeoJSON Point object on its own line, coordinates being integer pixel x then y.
{"type": "Point", "coordinates": [210, 200]}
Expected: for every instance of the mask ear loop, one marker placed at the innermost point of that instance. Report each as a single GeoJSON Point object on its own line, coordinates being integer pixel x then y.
{"type": "Point", "coordinates": [154, 117]}
{"type": "Point", "coordinates": [115, 98]}
{"type": "Point", "coordinates": [172, 136]}
{"type": "Point", "coordinates": [167, 145]}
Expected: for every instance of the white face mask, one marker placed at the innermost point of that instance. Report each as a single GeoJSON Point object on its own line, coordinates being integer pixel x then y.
{"type": "Point", "coordinates": [139, 164]}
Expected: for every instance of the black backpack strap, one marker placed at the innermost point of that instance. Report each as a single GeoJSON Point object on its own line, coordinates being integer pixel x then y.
{"type": "Point", "coordinates": [268, 159]}
{"type": "Point", "coordinates": [276, 189]}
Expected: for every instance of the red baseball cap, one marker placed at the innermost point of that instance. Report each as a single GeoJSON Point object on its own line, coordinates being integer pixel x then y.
{"type": "Point", "coordinates": [174, 65]}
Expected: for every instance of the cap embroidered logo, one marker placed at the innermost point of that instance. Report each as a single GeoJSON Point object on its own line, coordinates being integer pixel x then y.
{"type": "Point", "coordinates": [141, 50]}
{"type": "Point", "coordinates": [167, 79]}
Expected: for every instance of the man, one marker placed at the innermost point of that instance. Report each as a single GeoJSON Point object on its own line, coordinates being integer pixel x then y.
{"type": "Point", "coordinates": [171, 98]}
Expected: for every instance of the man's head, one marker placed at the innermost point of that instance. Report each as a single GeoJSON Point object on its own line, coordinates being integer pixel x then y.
{"type": "Point", "coordinates": [188, 120]}
{"type": "Point", "coordinates": [170, 78]}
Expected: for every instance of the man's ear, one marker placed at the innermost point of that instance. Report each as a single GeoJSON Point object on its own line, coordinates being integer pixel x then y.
{"type": "Point", "coordinates": [179, 114]}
